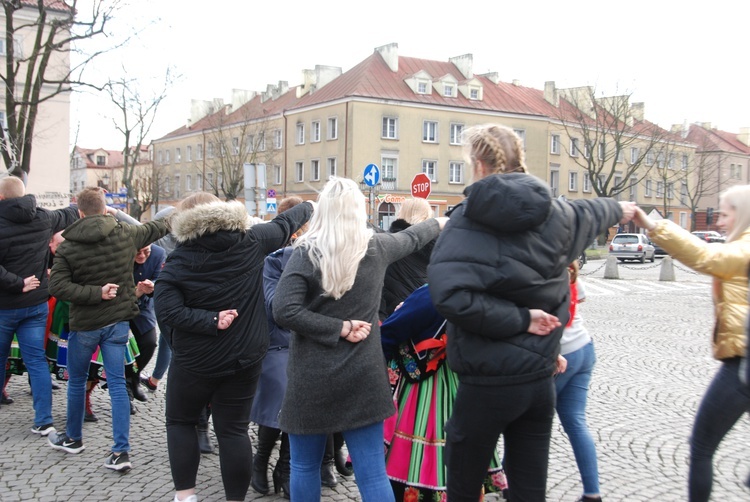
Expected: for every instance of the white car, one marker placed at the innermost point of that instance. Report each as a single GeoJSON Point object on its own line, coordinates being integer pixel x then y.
{"type": "Point", "coordinates": [632, 247]}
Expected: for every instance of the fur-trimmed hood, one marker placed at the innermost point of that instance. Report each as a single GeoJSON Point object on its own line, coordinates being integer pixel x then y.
{"type": "Point", "coordinates": [209, 219]}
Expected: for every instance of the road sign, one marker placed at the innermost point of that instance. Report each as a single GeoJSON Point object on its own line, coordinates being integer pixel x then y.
{"type": "Point", "coordinates": [372, 175]}
{"type": "Point", "coordinates": [271, 205]}
{"type": "Point", "coordinates": [271, 194]}
{"type": "Point", "coordinates": [421, 186]}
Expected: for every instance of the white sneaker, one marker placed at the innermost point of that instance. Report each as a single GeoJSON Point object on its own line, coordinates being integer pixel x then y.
{"type": "Point", "coordinates": [191, 498]}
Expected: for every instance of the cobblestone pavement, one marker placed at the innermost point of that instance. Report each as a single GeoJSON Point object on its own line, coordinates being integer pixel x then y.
{"type": "Point", "coordinates": [654, 363]}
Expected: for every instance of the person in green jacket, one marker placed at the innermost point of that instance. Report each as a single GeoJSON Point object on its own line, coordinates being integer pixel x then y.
{"type": "Point", "coordinates": [93, 270]}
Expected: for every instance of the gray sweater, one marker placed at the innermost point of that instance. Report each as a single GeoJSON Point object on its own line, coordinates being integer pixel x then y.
{"type": "Point", "coordinates": [335, 385]}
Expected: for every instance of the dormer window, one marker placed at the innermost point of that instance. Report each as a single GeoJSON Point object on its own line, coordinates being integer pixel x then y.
{"type": "Point", "coordinates": [448, 91]}
{"type": "Point", "coordinates": [101, 160]}
{"type": "Point", "coordinates": [422, 87]}
{"type": "Point", "coordinates": [474, 93]}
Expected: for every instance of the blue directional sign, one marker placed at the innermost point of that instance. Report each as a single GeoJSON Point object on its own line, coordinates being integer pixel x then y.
{"type": "Point", "coordinates": [372, 175]}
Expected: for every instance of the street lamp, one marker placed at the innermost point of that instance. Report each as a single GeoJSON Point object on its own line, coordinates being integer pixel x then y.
{"type": "Point", "coordinates": [106, 180]}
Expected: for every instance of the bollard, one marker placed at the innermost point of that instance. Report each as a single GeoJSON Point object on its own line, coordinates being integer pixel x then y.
{"type": "Point", "coordinates": [610, 268]}
{"type": "Point", "coordinates": [666, 273]}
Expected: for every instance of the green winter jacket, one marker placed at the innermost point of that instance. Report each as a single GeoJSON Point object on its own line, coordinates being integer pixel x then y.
{"type": "Point", "coordinates": [99, 250]}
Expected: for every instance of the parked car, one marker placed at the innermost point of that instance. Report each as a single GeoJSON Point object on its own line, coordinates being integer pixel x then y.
{"type": "Point", "coordinates": [658, 251]}
{"type": "Point", "coordinates": [710, 236]}
{"type": "Point", "coordinates": [582, 260]}
{"type": "Point", "coordinates": [632, 247]}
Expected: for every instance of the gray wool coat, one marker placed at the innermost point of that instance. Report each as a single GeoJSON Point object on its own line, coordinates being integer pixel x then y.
{"type": "Point", "coordinates": [335, 385]}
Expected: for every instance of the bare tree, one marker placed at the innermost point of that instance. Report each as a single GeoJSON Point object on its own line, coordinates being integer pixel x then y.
{"type": "Point", "coordinates": [702, 177]}
{"type": "Point", "coordinates": [137, 113]}
{"type": "Point", "coordinates": [608, 138]}
{"type": "Point", "coordinates": [37, 76]}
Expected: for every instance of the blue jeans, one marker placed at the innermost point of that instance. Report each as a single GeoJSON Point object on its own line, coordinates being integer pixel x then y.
{"type": "Point", "coordinates": [725, 401]}
{"type": "Point", "coordinates": [29, 324]}
{"type": "Point", "coordinates": [365, 446]}
{"type": "Point", "coordinates": [572, 390]}
{"type": "Point", "coordinates": [111, 340]}
{"type": "Point", "coordinates": [163, 358]}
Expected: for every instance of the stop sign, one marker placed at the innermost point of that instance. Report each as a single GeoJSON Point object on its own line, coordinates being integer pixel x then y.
{"type": "Point", "coordinates": [421, 186]}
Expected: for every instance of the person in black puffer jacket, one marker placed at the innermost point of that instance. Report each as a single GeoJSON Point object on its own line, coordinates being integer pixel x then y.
{"type": "Point", "coordinates": [210, 293]}
{"type": "Point", "coordinates": [408, 274]}
{"type": "Point", "coordinates": [498, 274]}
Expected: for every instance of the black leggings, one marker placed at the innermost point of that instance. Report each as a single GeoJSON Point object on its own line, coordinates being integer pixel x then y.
{"type": "Point", "coordinates": [231, 398]}
{"type": "Point", "coordinates": [146, 345]}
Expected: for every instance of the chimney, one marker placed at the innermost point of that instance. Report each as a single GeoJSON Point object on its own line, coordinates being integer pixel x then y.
{"type": "Point", "coordinates": [705, 125]}
{"type": "Point", "coordinates": [638, 110]}
{"type": "Point", "coordinates": [199, 108]}
{"type": "Point", "coordinates": [240, 97]}
{"type": "Point", "coordinates": [550, 93]}
{"type": "Point", "coordinates": [465, 65]}
{"type": "Point", "coordinates": [516, 82]}
{"type": "Point", "coordinates": [744, 135]}
{"type": "Point", "coordinates": [389, 53]}
{"type": "Point", "coordinates": [313, 80]}
{"type": "Point", "coordinates": [494, 77]}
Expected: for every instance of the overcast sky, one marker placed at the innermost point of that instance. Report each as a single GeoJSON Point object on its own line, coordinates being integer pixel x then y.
{"type": "Point", "coordinates": [688, 63]}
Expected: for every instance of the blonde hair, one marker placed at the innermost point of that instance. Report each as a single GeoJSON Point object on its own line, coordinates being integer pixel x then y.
{"type": "Point", "coordinates": [338, 235]}
{"type": "Point", "coordinates": [415, 211]}
{"type": "Point", "coordinates": [738, 198]}
{"type": "Point", "coordinates": [498, 148]}
{"type": "Point", "coordinates": [12, 188]}
{"type": "Point", "coordinates": [197, 199]}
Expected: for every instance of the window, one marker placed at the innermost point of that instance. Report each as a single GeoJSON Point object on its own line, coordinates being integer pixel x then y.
{"type": "Point", "coordinates": [222, 149]}
{"type": "Point", "coordinates": [333, 128]}
{"type": "Point", "coordinates": [210, 150]}
{"type": "Point", "coordinates": [421, 87]}
{"type": "Point", "coordinates": [618, 186]}
{"type": "Point", "coordinates": [262, 142]}
{"type": "Point", "coordinates": [177, 155]}
{"type": "Point", "coordinates": [300, 134]}
{"type": "Point", "coordinates": [660, 160]}
{"type": "Point", "coordinates": [101, 160]}
{"type": "Point", "coordinates": [277, 175]}
{"type": "Point", "coordinates": [160, 156]}
{"type": "Point", "coordinates": [586, 182]}
{"type": "Point", "coordinates": [448, 91]}
{"type": "Point", "coordinates": [521, 134]}
{"type": "Point", "coordinates": [331, 166]}
{"type": "Point", "coordinates": [554, 181]}
{"type": "Point", "coordinates": [189, 153]}
{"type": "Point", "coordinates": [572, 181]}
{"type": "Point", "coordinates": [315, 170]}
{"type": "Point", "coordinates": [210, 180]}
{"type": "Point", "coordinates": [250, 146]}
{"type": "Point", "coordinates": [660, 189]}
{"type": "Point", "coordinates": [600, 182]}
{"type": "Point", "coordinates": [670, 190]}
{"type": "Point", "coordinates": [554, 146]}
{"type": "Point", "coordinates": [574, 147]}
{"type": "Point", "coordinates": [634, 155]}
{"type": "Point", "coordinates": [277, 139]}
{"type": "Point", "coordinates": [166, 156]}
{"type": "Point", "coordinates": [188, 183]}
{"type": "Point", "coordinates": [220, 180]}
{"type": "Point", "coordinates": [473, 93]}
{"type": "Point", "coordinates": [429, 131]}
{"type": "Point", "coordinates": [456, 172]}
{"type": "Point", "coordinates": [299, 172]}
{"type": "Point", "coordinates": [649, 158]}
{"type": "Point", "coordinates": [633, 193]}
{"type": "Point", "coordinates": [315, 132]}
{"type": "Point", "coordinates": [388, 167]}
{"type": "Point", "coordinates": [683, 220]}
{"type": "Point", "coordinates": [235, 146]}
{"type": "Point", "coordinates": [684, 193]}
{"type": "Point", "coordinates": [199, 181]}
{"type": "Point", "coordinates": [586, 150]}
{"type": "Point", "coordinates": [456, 132]}
{"type": "Point", "coordinates": [685, 160]}
{"type": "Point", "coordinates": [177, 187]}
{"type": "Point", "coordinates": [390, 128]}
{"type": "Point", "coordinates": [166, 185]}
{"type": "Point", "coordinates": [429, 167]}
{"type": "Point", "coordinates": [647, 192]}
{"type": "Point", "coordinates": [620, 156]}
{"type": "Point", "coordinates": [670, 161]}
{"type": "Point", "coordinates": [199, 152]}
{"type": "Point", "coordinates": [602, 150]}
{"type": "Point", "coordinates": [17, 48]}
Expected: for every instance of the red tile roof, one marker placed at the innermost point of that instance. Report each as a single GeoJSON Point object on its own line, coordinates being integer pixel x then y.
{"type": "Point", "coordinates": [114, 157]}
{"type": "Point", "coordinates": [714, 139]}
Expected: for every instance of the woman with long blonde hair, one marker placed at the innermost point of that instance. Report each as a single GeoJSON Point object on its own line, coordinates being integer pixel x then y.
{"type": "Point", "coordinates": [328, 296]}
{"type": "Point", "coordinates": [727, 397]}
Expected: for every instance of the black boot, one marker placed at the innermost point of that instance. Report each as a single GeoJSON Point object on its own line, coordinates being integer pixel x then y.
{"type": "Point", "coordinates": [134, 381]}
{"type": "Point", "coordinates": [327, 475]}
{"type": "Point", "coordinates": [204, 441]}
{"type": "Point", "coordinates": [283, 468]}
{"type": "Point", "coordinates": [266, 440]}
{"type": "Point", "coordinates": [339, 457]}
{"type": "Point", "coordinates": [133, 409]}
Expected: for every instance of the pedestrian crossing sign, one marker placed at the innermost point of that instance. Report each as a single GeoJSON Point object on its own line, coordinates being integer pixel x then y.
{"type": "Point", "coordinates": [270, 207]}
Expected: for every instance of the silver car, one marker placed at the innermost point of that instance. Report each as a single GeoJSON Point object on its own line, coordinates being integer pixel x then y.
{"type": "Point", "coordinates": [632, 247]}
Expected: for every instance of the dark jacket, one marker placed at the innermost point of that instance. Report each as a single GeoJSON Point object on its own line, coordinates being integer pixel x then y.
{"type": "Point", "coordinates": [218, 265]}
{"type": "Point", "coordinates": [405, 275]}
{"type": "Point", "coordinates": [25, 231]}
{"type": "Point", "coordinates": [99, 250]}
{"type": "Point", "coordinates": [150, 269]}
{"type": "Point", "coordinates": [504, 251]}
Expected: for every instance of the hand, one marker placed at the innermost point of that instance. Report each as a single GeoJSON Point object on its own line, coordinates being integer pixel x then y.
{"type": "Point", "coordinates": [542, 323]}
{"type": "Point", "coordinates": [30, 283]}
{"type": "Point", "coordinates": [226, 317]}
{"type": "Point", "coordinates": [359, 330]}
{"type": "Point", "coordinates": [442, 220]}
{"type": "Point", "coordinates": [109, 291]}
{"type": "Point", "coordinates": [144, 288]}
{"type": "Point", "coordinates": [642, 220]}
{"type": "Point", "coordinates": [562, 365]}
{"type": "Point", "coordinates": [628, 210]}
{"type": "Point", "coordinates": [112, 211]}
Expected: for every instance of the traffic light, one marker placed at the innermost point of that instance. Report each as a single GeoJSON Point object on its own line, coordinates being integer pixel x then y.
{"type": "Point", "coordinates": [709, 215]}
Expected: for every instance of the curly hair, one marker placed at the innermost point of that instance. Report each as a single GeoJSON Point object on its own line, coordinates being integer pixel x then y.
{"type": "Point", "coordinates": [497, 147]}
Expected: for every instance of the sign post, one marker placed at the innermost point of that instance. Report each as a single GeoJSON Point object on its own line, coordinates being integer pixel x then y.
{"type": "Point", "coordinates": [372, 179]}
{"type": "Point", "coordinates": [421, 186]}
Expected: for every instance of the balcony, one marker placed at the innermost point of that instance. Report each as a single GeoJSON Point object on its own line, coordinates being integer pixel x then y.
{"type": "Point", "coordinates": [388, 184]}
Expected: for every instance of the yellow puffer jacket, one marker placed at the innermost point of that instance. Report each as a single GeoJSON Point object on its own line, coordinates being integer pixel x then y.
{"type": "Point", "coordinates": [728, 264]}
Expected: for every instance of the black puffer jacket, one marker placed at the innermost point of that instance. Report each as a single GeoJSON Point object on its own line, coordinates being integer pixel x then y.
{"type": "Point", "coordinates": [504, 251]}
{"type": "Point", "coordinates": [218, 265]}
{"type": "Point", "coordinates": [404, 276]}
{"type": "Point", "coordinates": [25, 231]}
